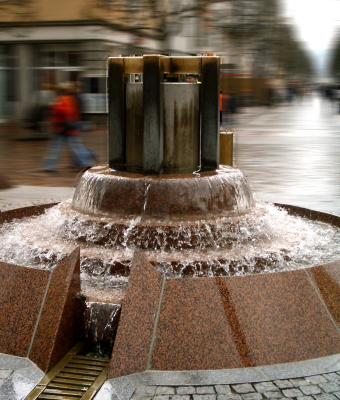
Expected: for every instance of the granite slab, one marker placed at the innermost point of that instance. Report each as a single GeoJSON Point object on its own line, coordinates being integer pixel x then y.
{"type": "Point", "coordinates": [224, 323]}
{"type": "Point", "coordinates": [193, 332]}
{"type": "Point", "coordinates": [58, 327]}
{"type": "Point", "coordinates": [38, 310]}
{"type": "Point", "coordinates": [140, 308]}
{"type": "Point", "coordinates": [24, 212]}
{"type": "Point", "coordinates": [327, 280]}
{"type": "Point", "coordinates": [282, 317]}
{"type": "Point", "coordinates": [22, 291]}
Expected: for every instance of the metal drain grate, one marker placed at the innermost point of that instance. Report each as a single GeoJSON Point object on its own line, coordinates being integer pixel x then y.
{"type": "Point", "coordinates": [75, 377]}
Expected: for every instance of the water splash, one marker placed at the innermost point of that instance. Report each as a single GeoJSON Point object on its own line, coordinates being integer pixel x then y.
{"type": "Point", "coordinates": [147, 188]}
{"type": "Point", "coordinates": [101, 323]}
{"type": "Point", "coordinates": [266, 240]}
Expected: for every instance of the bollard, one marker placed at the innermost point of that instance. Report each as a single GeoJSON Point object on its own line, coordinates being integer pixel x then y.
{"type": "Point", "coordinates": [226, 148]}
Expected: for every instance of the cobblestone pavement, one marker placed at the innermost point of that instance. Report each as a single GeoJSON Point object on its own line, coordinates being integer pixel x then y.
{"type": "Point", "coordinates": [316, 387]}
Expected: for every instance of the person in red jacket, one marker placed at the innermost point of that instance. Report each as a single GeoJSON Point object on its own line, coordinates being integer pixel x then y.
{"type": "Point", "coordinates": [64, 125]}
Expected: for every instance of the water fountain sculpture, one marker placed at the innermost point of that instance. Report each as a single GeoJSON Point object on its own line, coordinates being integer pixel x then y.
{"type": "Point", "coordinates": [259, 284]}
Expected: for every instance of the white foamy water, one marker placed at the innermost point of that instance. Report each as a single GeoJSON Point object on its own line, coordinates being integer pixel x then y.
{"type": "Point", "coordinates": [266, 240]}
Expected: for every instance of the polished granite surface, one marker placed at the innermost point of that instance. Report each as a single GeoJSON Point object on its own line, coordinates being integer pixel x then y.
{"type": "Point", "coordinates": [39, 310]}
{"type": "Point", "coordinates": [219, 323]}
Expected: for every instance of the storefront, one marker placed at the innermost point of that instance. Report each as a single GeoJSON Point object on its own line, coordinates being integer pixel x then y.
{"type": "Point", "coordinates": [36, 57]}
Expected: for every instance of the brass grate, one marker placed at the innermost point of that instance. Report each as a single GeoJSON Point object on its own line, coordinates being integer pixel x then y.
{"type": "Point", "coordinates": [75, 377]}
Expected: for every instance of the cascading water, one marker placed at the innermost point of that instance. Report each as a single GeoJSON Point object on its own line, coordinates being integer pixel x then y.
{"type": "Point", "coordinates": [265, 239]}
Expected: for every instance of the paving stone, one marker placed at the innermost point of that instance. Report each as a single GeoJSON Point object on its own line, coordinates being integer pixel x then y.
{"type": "Point", "coordinates": [310, 389]}
{"type": "Point", "coordinates": [205, 390]}
{"type": "Point", "coordinates": [305, 398]}
{"type": "Point", "coordinates": [337, 394]}
{"type": "Point", "coordinates": [145, 397]}
{"type": "Point", "coordinates": [232, 396]}
{"type": "Point", "coordinates": [225, 396]}
{"type": "Point", "coordinates": [223, 389]}
{"type": "Point", "coordinates": [283, 384]}
{"type": "Point", "coordinates": [272, 395]}
{"type": "Point", "coordinates": [204, 397]}
{"type": "Point", "coordinates": [180, 397]}
{"type": "Point", "coordinates": [165, 390]}
{"type": "Point", "coordinates": [186, 390]}
{"type": "Point", "coordinates": [145, 391]}
{"type": "Point", "coordinates": [243, 388]}
{"type": "Point", "coordinates": [252, 396]}
{"type": "Point", "coordinates": [330, 387]}
{"type": "Point", "coordinates": [299, 382]}
{"type": "Point", "coordinates": [292, 392]}
{"type": "Point", "coordinates": [325, 396]}
{"type": "Point", "coordinates": [316, 379]}
{"type": "Point", "coordinates": [332, 376]}
{"type": "Point", "coordinates": [160, 397]}
{"type": "Point", "coordinates": [265, 387]}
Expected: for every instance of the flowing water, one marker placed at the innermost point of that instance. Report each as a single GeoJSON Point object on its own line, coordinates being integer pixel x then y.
{"type": "Point", "coordinates": [267, 239]}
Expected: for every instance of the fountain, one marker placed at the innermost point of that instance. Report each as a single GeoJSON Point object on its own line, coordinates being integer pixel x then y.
{"type": "Point", "coordinates": [164, 209]}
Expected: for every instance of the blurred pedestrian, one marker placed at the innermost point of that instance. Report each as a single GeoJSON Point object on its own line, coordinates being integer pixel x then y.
{"type": "Point", "coordinates": [40, 110]}
{"type": "Point", "coordinates": [65, 128]}
{"type": "Point", "coordinates": [85, 125]}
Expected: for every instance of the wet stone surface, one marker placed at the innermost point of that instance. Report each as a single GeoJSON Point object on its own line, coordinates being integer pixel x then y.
{"type": "Point", "coordinates": [316, 387]}
{"type": "Point", "coordinates": [18, 376]}
{"type": "Point", "coordinates": [291, 153]}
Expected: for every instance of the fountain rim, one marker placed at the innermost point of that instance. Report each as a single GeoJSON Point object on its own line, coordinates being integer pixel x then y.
{"type": "Point", "coordinates": [105, 170]}
{"type": "Point", "coordinates": [103, 191]}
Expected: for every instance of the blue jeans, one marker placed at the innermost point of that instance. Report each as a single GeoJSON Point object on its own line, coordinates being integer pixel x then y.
{"type": "Point", "coordinates": [83, 156]}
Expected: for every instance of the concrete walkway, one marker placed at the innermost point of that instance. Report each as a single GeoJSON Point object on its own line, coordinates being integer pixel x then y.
{"type": "Point", "coordinates": [24, 196]}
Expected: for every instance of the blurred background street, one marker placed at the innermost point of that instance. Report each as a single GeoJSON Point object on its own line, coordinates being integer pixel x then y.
{"type": "Point", "coordinates": [291, 154]}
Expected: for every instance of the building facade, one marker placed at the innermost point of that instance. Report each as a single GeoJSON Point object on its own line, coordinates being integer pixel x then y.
{"type": "Point", "coordinates": [46, 42]}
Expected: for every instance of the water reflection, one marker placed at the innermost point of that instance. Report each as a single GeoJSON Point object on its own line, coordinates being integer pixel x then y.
{"type": "Point", "coordinates": [291, 154]}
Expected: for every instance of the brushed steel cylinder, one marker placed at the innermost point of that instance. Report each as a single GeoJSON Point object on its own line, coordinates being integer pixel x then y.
{"type": "Point", "coordinates": [134, 126]}
{"type": "Point", "coordinates": [181, 127]}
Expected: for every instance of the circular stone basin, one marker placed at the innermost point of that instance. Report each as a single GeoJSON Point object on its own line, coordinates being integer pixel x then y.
{"type": "Point", "coordinates": [102, 191]}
